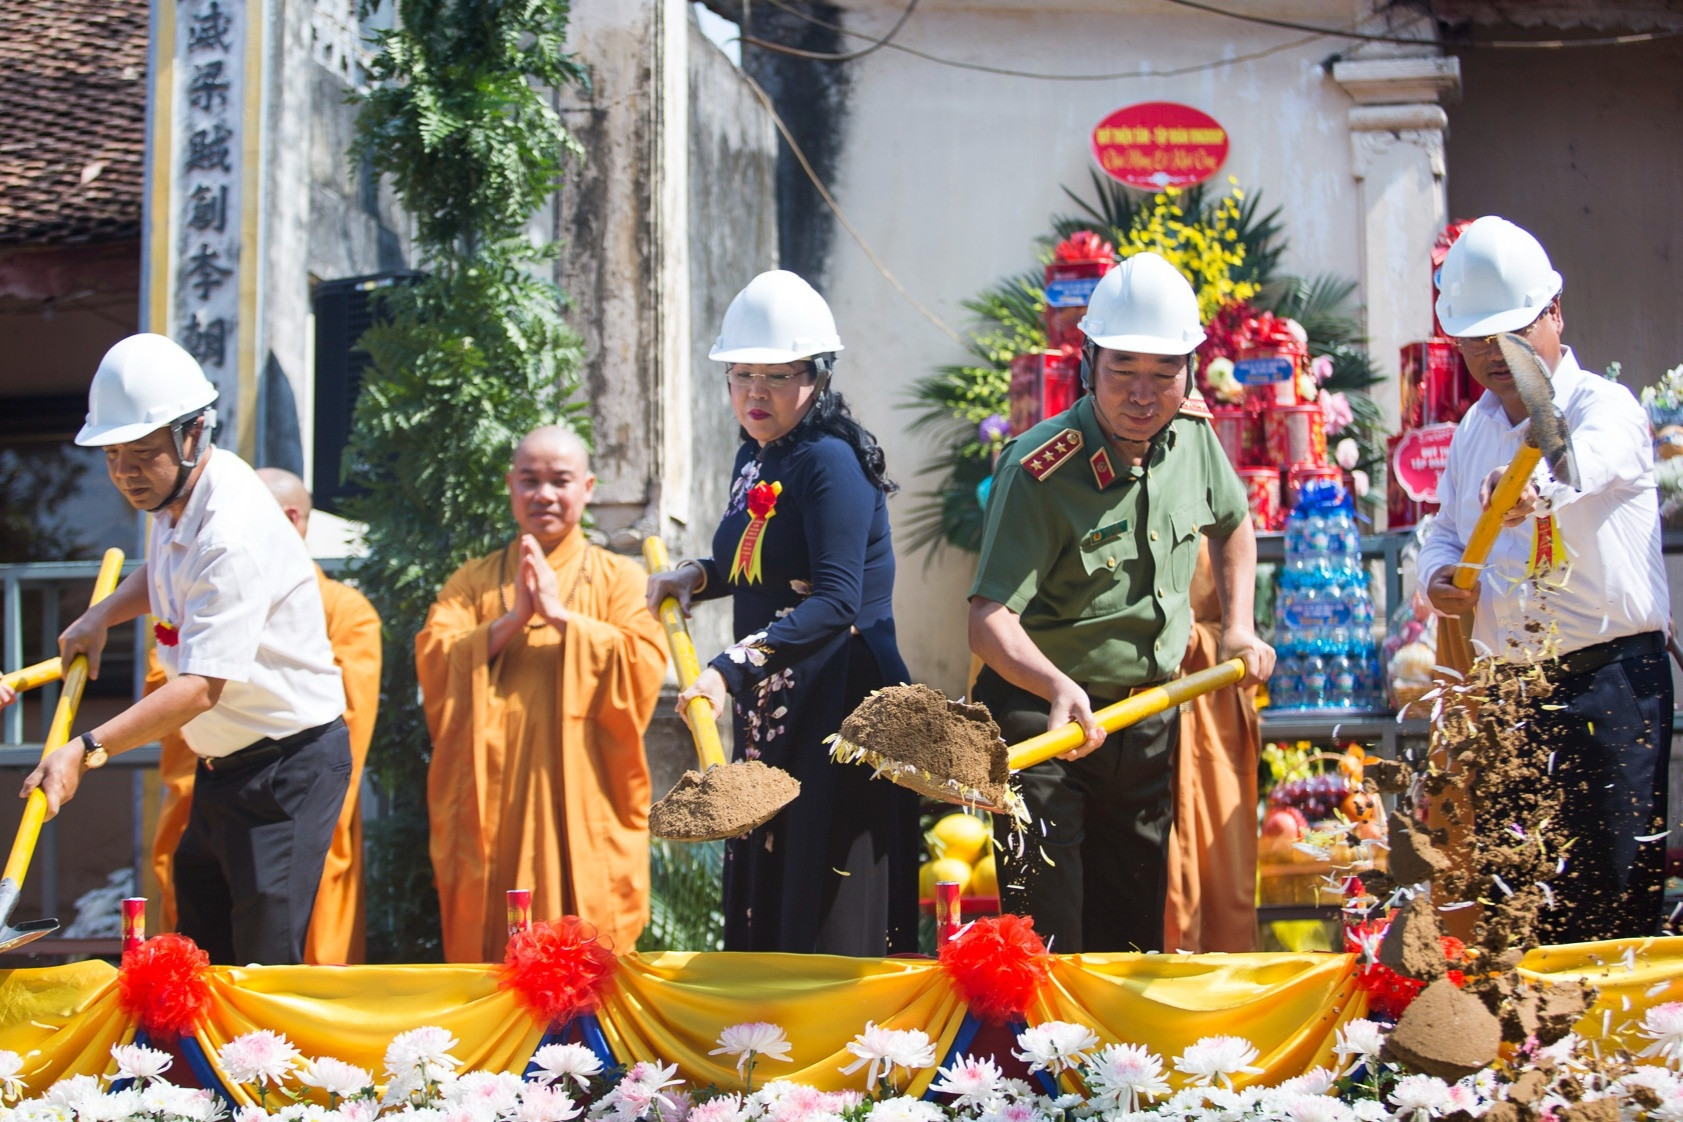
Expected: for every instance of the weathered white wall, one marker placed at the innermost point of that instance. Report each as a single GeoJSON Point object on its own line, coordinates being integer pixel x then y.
{"type": "Point", "coordinates": [950, 175]}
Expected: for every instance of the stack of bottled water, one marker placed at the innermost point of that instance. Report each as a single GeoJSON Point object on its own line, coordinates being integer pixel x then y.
{"type": "Point", "coordinates": [1323, 612]}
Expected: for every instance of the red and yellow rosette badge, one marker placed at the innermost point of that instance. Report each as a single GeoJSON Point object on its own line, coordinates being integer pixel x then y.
{"type": "Point", "coordinates": [762, 504]}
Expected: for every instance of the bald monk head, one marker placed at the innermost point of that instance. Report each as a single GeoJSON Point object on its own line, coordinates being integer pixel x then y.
{"type": "Point", "coordinates": [289, 491]}
{"type": "Point", "coordinates": [550, 483]}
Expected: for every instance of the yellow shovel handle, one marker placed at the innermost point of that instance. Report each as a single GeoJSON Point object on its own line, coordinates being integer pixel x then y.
{"type": "Point", "coordinates": [58, 733]}
{"type": "Point", "coordinates": [1128, 711]}
{"type": "Point", "coordinates": [707, 746]}
{"type": "Point", "coordinates": [38, 675]}
{"type": "Point", "coordinates": [1489, 524]}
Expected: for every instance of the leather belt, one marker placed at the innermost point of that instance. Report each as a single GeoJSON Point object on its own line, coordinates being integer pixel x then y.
{"type": "Point", "coordinates": [264, 751]}
{"type": "Point", "coordinates": [1587, 660]}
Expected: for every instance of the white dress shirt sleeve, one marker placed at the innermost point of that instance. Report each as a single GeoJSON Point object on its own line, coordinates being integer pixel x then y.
{"type": "Point", "coordinates": [1613, 450]}
{"type": "Point", "coordinates": [223, 613]}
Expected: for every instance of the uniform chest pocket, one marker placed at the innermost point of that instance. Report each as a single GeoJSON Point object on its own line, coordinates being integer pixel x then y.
{"type": "Point", "coordinates": [1185, 526]}
{"type": "Point", "coordinates": [1110, 557]}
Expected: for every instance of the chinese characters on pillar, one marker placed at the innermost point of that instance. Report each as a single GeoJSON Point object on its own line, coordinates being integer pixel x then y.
{"type": "Point", "coordinates": [208, 181]}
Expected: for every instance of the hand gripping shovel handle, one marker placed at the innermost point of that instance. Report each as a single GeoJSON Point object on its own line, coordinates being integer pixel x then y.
{"type": "Point", "coordinates": [708, 750]}
{"type": "Point", "coordinates": [58, 734]}
{"type": "Point", "coordinates": [1128, 711]}
{"type": "Point", "coordinates": [38, 675]}
{"type": "Point", "coordinates": [1454, 649]}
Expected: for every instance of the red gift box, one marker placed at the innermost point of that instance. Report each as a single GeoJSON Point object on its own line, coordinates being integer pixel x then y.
{"type": "Point", "coordinates": [1077, 264]}
{"type": "Point", "coordinates": [1437, 387]}
{"type": "Point", "coordinates": [1043, 384]}
{"type": "Point", "coordinates": [1295, 434]}
{"type": "Point", "coordinates": [1262, 487]}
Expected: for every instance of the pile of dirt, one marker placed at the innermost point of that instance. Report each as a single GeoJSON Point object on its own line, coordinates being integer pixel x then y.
{"type": "Point", "coordinates": [1490, 782]}
{"type": "Point", "coordinates": [726, 802]}
{"type": "Point", "coordinates": [918, 738]}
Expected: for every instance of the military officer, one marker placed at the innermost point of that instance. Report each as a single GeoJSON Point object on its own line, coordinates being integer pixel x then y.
{"type": "Point", "coordinates": [1081, 598]}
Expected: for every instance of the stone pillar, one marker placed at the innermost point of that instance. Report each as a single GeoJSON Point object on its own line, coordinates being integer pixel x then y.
{"type": "Point", "coordinates": [1396, 144]}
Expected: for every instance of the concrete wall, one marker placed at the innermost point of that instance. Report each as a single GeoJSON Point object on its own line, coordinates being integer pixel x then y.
{"type": "Point", "coordinates": [950, 175]}
{"type": "Point", "coordinates": [671, 213]}
{"type": "Point", "coordinates": [1583, 148]}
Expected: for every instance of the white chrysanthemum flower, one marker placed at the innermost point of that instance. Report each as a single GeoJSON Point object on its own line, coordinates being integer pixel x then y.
{"type": "Point", "coordinates": [113, 1106]}
{"type": "Point", "coordinates": [1663, 1024]}
{"type": "Point", "coordinates": [1012, 1111]}
{"type": "Point", "coordinates": [336, 1077]}
{"type": "Point", "coordinates": [421, 1114]}
{"type": "Point", "coordinates": [564, 1062]}
{"type": "Point", "coordinates": [1370, 1110]}
{"type": "Point", "coordinates": [725, 1108]}
{"type": "Point", "coordinates": [1563, 1053]}
{"type": "Point", "coordinates": [262, 1056]}
{"type": "Point", "coordinates": [1657, 1079]}
{"type": "Point", "coordinates": [750, 1040]}
{"type": "Point", "coordinates": [973, 1080]}
{"type": "Point", "coordinates": [881, 1050]}
{"type": "Point", "coordinates": [1359, 1041]}
{"type": "Point", "coordinates": [486, 1094]}
{"type": "Point", "coordinates": [136, 1061]}
{"type": "Point", "coordinates": [1055, 1046]}
{"type": "Point", "coordinates": [903, 1109]}
{"type": "Point", "coordinates": [1217, 1058]}
{"type": "Point", "coordinates": [541, 1102]}
{"type": "Point", "coordinates": [162, 1099]}
{"type": "Point", "coordinates": [1419, 1097]}
{"type": "Point", "coordinates": [1315, 1108]}
{"type": "Point", "coordinates": [1119, 1075]}
{"type": "Point", "coordinates": [11, 1070]}
{"type": "Point", "coordinates": [640, 1093]}
{"type": "Point", "coordinates": [424, 1051]}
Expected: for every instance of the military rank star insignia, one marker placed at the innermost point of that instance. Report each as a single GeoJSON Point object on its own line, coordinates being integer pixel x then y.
{"type": "Point", "coordinates": [1052, 455]}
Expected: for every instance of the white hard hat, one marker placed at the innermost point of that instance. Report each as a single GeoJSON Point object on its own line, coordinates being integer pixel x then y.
{"type": "Point", "coordinates": [1146, 306]}
{"type": "Point", "coordinates": [777, 318]}
{"type": "Point", "coordinates": [1495, 278]}
{"type": "Point", "coordinates": [143, 383]}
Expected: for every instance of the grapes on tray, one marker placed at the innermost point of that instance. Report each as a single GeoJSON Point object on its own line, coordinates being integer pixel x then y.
{"type": "Point", "coordinates": [1317, 796]}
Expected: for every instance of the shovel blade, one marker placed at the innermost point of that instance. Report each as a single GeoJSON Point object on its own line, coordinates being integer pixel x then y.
{"type": "Point", "coordinates": [17, 934]}
{"type": "Point", "coordinates": [1548, 432]}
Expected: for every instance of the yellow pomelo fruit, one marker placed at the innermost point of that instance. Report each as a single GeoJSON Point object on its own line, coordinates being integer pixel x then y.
{"type": "Point", "coordinates": [942, 868]}
{"type": "Point", "coordinates": [984, 880]}
{"type": "Point", "coordinates": [963, 837]}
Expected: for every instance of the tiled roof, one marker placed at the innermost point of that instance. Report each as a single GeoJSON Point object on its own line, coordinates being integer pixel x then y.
{"type": "Point", "coordinates": [72, 120]}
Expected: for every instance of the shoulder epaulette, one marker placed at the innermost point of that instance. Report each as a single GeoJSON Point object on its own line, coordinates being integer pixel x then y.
{"type": "Point", "coordinates": [1195, 406]}
{"type": "Point", "coordinates": [1052, 455]}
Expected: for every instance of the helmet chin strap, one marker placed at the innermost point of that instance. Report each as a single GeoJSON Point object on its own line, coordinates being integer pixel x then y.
{"type": "Point", "coordinates": [177, 430]}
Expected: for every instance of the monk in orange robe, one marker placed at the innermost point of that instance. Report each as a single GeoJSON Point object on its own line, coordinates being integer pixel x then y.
{"type": "Point", "coordinates": [540, 667]}
{"type": "Point", "coordinates": [337, 933]}
{"type": "Point", "coordinates": [1212, 848]}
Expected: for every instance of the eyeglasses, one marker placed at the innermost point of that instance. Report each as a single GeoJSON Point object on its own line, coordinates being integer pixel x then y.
{"type": "Point", "coordinates": [1489, 342]}
{"type": "Point", "coordinates": [775, 380]}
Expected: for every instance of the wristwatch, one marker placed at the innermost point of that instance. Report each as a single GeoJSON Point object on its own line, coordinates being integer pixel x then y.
{"type": "Point", "coordinates": [93, 752]}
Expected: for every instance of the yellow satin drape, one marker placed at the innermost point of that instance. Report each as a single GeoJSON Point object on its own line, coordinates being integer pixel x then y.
{"type": "Point", "coordinates": [672, 1006]}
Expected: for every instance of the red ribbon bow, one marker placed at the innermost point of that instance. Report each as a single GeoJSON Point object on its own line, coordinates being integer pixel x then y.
{"type": "Point", "coordinates": [762, 500]}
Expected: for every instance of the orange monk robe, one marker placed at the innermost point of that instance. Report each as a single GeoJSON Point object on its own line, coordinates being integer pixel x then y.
{"type": "Point", "coordinates": [336, 934]}
{"type": "Point", "coordinates": [538, 777]}
{"type": "Point", "coordinates": [1212, 847]}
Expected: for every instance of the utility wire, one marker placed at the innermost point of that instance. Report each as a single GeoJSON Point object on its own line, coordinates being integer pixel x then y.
{"type": "Point", "coordinates": [835, 209]}
{"type": "Point", "coordinates": [1008, 72]}
{"type": "Point", "coordinates": [876, 44]}
{"type": "Point", "coordinates": [1491, 44]}
{"type": "Point", "coordinates": [1315, 32]}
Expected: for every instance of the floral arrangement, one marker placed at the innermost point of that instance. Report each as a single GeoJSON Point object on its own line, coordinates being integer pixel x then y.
{"type": "Point", "coordinates": [1078, 1077]}
{"type": "Point", "coordinates": [1227, 249]}
{"type": "Point", "coordinates": [1663, 403]}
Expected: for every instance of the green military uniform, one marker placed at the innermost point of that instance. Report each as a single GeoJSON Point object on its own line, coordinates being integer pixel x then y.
{"type": "Point", "coordinates": [1097, 559]}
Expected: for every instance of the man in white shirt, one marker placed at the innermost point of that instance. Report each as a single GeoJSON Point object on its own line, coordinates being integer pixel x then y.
{"type": "Point", "coordinates": [252, 686]}
{"type": "Point", "coordinates": [1575, 577]}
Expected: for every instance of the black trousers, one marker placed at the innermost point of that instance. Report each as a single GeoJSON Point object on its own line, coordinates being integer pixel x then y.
{"type": "Point", "coordinates": [1611, 737]}
{"type": "Point", "coordinates": [249, 863]}
{"type": "Point", "coordinates": [1093, 868]}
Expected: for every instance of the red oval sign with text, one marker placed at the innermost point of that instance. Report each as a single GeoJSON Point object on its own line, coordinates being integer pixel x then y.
{"type": "Point", "coordinates": [1159, 144]}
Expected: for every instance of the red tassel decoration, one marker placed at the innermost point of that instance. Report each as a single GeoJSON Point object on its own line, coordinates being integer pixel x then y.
{"type": "Point", "coordinates": [997, 965]}
{"type": "Point", "coordinates": [162, 985]}
{"type": "Point", "coordinates": [558, 968]}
